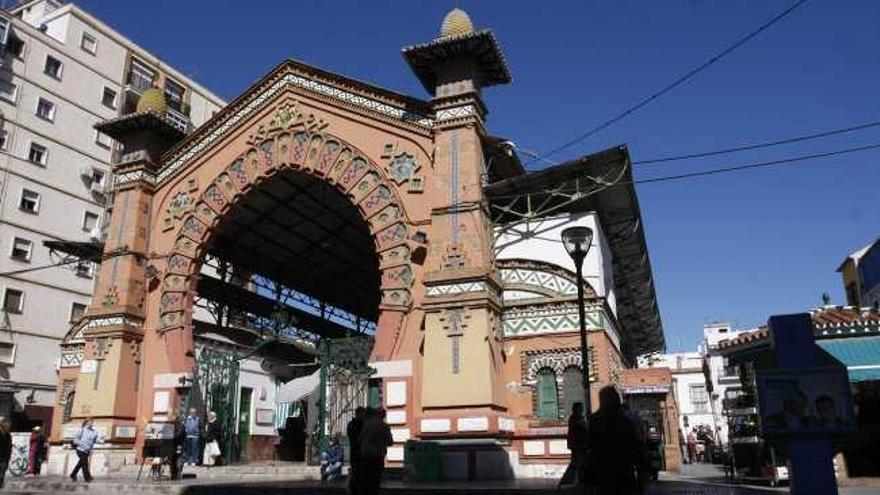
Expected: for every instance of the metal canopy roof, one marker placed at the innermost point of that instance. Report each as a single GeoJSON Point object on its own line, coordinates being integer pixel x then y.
{"type": "Point", "coordinates": [601, 183]}
{"type": "Point", "coordinates": [241, 299]}
{"type": "Point", "coordinates": [306, 235]}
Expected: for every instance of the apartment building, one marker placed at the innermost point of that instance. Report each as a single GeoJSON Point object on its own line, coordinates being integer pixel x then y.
{"type": "Point", "coordinates": [702, 380]}
{"type": "Point", "coordinates": [61, 71]}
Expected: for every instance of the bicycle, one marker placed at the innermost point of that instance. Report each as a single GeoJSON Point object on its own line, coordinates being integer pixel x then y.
{"type": "Point", "coordinates": [18, 465]}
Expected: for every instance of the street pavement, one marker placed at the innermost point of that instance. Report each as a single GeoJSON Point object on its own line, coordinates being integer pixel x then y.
{"type": "Point", "coordinates": [694, 480]}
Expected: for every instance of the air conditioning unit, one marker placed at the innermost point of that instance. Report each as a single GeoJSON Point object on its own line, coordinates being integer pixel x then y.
{"type": "Point", "coordinates": [98, 188]}
{"type": "Point", "coordinates": [97, 234]}
{"type": "Point", "coordinates": [83, 269]}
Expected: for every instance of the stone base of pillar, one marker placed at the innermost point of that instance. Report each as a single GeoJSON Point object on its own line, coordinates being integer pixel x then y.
{"type": "Point", "coordinates": [107, 459]}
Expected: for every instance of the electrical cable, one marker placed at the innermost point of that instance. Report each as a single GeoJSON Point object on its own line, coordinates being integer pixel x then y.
{"type": "Point", "coordinates": [755, 146]}
{"type": "Point", "coordinates": [675, 83]}
{"type": "Point", "coordinates": [750, 166]}
{"type": "Point", "coordinates": [733, 168]}
{"type": "Point", "coordinates": [60, 263]}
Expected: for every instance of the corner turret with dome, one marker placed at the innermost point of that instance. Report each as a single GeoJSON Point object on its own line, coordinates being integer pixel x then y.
{"type": "Point", "coordinates": [462, 59]}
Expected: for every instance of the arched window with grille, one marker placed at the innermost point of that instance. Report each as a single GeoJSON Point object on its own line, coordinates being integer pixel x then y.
{"type": "Point", "coordinates": [572, 389]}
{"type": "Point", "coordinates": [547, 399]}
{"type": "Point", "coordinates": [67, 412]}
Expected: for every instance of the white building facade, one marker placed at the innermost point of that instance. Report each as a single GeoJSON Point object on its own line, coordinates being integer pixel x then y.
{"type": "Point", "coordinates": [61, 72]}
{"type": "Point", "coordinates": [702, 381]}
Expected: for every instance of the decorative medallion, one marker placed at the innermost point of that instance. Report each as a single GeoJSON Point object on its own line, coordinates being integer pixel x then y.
{"type": "Point", "coordinates": [402, 167]}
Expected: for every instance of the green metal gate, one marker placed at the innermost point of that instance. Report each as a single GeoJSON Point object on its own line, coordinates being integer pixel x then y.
{"type": "Point", "coordinates": [343, 386]}
{"type": "Point", "coordinates": [215, 383]}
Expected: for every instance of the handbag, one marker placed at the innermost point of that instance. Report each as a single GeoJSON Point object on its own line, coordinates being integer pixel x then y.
{"type": "Point", "coordinates": [212, 451]}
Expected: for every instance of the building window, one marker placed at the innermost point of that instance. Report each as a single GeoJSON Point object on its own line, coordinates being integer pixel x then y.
{"type": "Point", "coordinates": [572, 389]}
{"type": "Point", "coordinates": [7, 353]}
{"type": "Point", "coordinates": [37, 154]}
{"type": "Point", "coordinates": [15, 46]}
{"type": "Point", "coordinates": [22, 249]}
{"type": "Point", "coordinates": [67, 412]}
{"type": "Point", "coordinates": [13, 301]}
{"type": "Point", "coordinates": [8, 91]}
{"type": "Point", "coordinates": [97, 178]}
{"type": "Point", "coordinates": [45, 109]}
{"type": "Point", "coordinates": [90, 221]}
{"type": "Point", "coordinates": [140, 77]}
{"type": "Point", "coordinates": [89, 43]}
{"type": "Point", "coordinates": [174, 95]}
{"type": "Point", "coordinates": [700, 399]}
{"type": "Point", "coordinates": [77, 311]}
{"type": "Point", "coordinates": [4, 30]}
{"type": "Point", "coordinates": [548, 400]}
{"type": "Point", "coordinates": [102, 139]}
{"type": "Point", "coordinates": [4, 139]}
{"type": "Point", "coordinates": [53, 67]}
{"type": "Point", "coordinates": [30, 201]}
{"type": "Point", "coordinates": [109, 98]}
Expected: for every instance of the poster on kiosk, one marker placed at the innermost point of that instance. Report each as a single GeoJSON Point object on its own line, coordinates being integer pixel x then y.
{"type": "Point", "coordinates": [807, 401]}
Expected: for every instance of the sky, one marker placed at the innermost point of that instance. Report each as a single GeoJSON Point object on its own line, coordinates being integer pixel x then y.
{"type": "Point", "coordinates": [736, 247]}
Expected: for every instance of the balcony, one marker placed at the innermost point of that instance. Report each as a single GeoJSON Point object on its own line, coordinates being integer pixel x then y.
{"type": "Point", "coordinates": [178, 120]}
{"type": "Point", "coordinates": [727, 374]}
{"type": "Point", "coordinates": [174, 116]}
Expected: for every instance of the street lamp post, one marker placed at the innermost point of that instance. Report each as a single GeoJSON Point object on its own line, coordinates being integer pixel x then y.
{"type": "Point", "coordinates": [577, 241]}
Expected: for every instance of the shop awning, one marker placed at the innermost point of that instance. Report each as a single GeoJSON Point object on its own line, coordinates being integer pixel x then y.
{"type": "Point", "coordinates": [860, 355]}
{"type": "Point", "coordinates": [299, 388]}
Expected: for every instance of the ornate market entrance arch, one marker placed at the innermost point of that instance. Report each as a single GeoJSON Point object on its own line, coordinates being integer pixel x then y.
{"type": "Point", "coordinates": [406, 240]}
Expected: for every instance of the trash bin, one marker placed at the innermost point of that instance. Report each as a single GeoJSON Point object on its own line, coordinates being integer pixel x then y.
{"type": "Point", "coordinates": [421, 461]}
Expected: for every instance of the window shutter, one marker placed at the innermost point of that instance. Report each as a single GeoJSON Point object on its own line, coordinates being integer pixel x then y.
{"type": "Point", "coordinates": [548, 402]}
{"type": "Point", "coordinates": [572, 391]}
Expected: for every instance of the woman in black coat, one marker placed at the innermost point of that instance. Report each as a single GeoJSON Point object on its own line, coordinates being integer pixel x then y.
{"type": "Point", "coordinates": [213, 438]}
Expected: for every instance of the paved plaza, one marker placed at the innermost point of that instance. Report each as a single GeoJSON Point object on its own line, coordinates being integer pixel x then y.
{"type": "Point", "coordinates": [263, 480]}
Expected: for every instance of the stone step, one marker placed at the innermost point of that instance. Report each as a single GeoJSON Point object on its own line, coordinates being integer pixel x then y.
{"type": "Point", "coordinates": [290, 471]}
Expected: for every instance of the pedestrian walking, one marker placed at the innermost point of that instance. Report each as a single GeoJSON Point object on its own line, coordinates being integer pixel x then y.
{"type": "Point", "coordinates": [84, 441]}
{"type": "Point", "coordinates": [692, 447]}
{"type": "Point", "coordinates": [36, 451]}
{"type": "Point", "coordinates": [615, 452]}
{"type": "Point", "coordinates": [353, 431]}
{"type": "Point", "coordinates": [682, 444]}
{"type": "Point", "coordinates": [5, 447]}
{"type": "Point", "coordinates": [375, 440]}
{"type": "Point", "coordinates": [576, 440]}
{"type": "Point", "coordinates": [178, 452]}
{"type": "Point", "coordinates": [193, 427]}
{"type": "Point", "coordinates": [213, 437]}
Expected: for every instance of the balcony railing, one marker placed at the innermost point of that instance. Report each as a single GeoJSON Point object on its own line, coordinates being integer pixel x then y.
{"type": "Point", "coordinates": [178, 120]}
{"type": "Point", "coordinates": [139, 82]}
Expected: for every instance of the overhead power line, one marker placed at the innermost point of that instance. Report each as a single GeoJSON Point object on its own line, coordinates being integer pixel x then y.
{"type": "Point", "coordinates": [768, 163]}
{"type": "Point", "coordinates": [755, 146]}
{"type": "Point", "coordinates": [69, 261]}
{"type": "Point", "coordinates": [675, 83]}
{"type": "Point", "coordinates": [723, 170]}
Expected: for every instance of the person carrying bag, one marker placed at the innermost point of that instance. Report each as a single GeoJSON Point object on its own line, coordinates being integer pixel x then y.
{"type": "Point", "coordinates": [213, 435]}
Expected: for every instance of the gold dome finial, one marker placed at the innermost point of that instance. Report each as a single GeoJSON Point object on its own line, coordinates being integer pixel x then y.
{"type": "Point", "coordinates": [152, 100]}
{"type": "Point", "coordinates": [456, 23]}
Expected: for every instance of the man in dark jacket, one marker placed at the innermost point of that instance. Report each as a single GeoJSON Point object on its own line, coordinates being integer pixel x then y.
{"type": "Point", "coordinates": [178, 439]}
{"type": "Point", "coordinates": [375, 439]}
{"type": "Point", "coordinates": [353, 431]}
